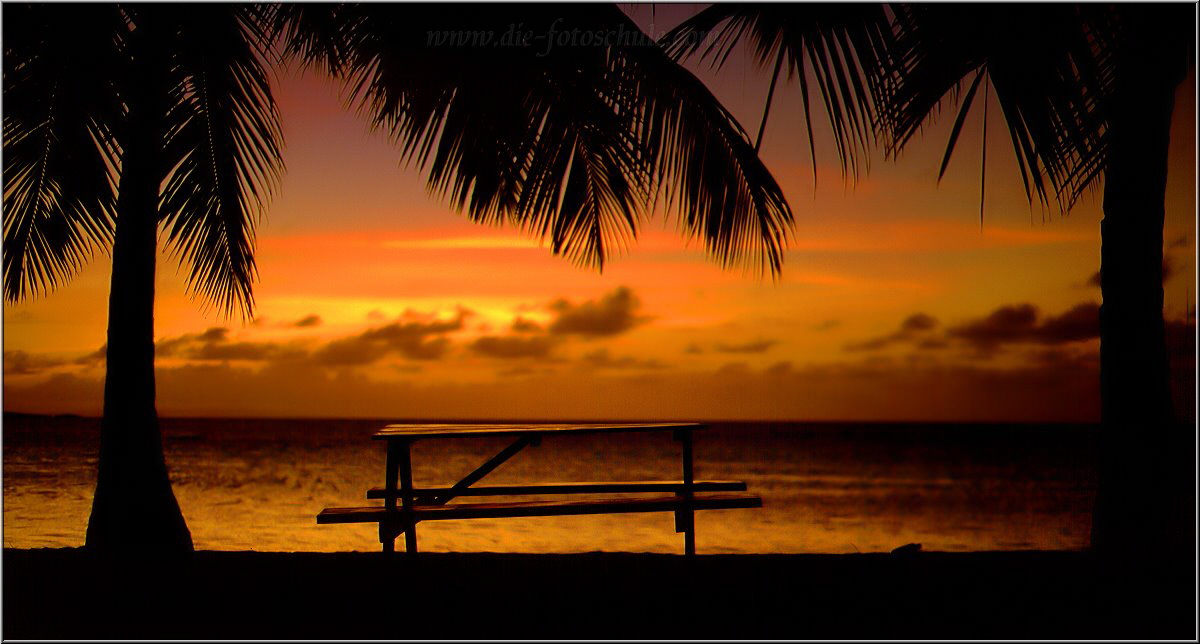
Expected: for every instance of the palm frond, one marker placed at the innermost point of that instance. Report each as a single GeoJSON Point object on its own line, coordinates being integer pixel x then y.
{"type": "Point", "coordinates": [223, 147]}
{"type": "Point", "coordinates": [567, 140]}
{"type": "Point", "coordinates": [841, 47]}
{"type": "Point", "coordinates": [59, 157]}
{"type": "Point", "coordinates": [1041, 67]}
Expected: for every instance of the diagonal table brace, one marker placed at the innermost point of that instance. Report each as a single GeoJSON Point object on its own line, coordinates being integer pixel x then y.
{"type": "Point", "coordinates": [399, 464]}
{"type": "Point", "coordinates": [485, 469]}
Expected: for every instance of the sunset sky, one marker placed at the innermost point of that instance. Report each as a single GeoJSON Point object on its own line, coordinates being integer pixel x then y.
{"type": "Point", "coordinates": [376, 299]}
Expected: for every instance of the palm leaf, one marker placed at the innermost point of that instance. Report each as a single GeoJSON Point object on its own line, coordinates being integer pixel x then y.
{"type": "Point", "coordinates": [1044, 72]}
{"type": "Point", "coordinates": [568, 142]}
{"type": "Point", "coordinates": [841, 47]}
{"type": "Point", "coordinates": [59, 158]}
{"type": "Point", "coordinates": [222, 146]}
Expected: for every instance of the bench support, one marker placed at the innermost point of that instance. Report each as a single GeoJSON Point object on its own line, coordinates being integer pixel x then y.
{"type": "Point", "coordinates": [399, 465]}
{"type": "Point", "coordinates": [485, 469]}
{"type": "Point", "coordinates": [685, 517]}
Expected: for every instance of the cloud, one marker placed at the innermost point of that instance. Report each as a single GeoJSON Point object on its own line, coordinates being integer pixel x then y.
{"type": "Point", "coordinates": [693, 348]}
{"type": "Point", "coordinates": [96, 357]}
{"type": "Point", "coordinates": [827, 325]}
{"type": "Point", "coordinates": [214, 345]}
{"type": "Point", "coordinates": [757, 346]}
{"type": "Point", "coordinates": [735, 368]}
{"type": "Point", "coordinates": [779, 368]}
{"type": "Point", "coordinates": [1018, 323]}
{"type": "Point", "coordinates": [255, 351]}
{"type": "Point", "coordinates": [1011, 323]}
{"type": "Point", "coordinates": [415, 337]}
{"type": "Point", "coordinates": [22, 363]}
{"type": "Point", "coordinates": [521, 325]}
{"type": "Point", "coordinates": [307, 321]}
{"type": "Point", "coordinates": [601, 359]}
{"type": "Point", "coordinates": [1082, 322]}
{"type": "Point", "coordinates": [918, 322]}
{"type": "Point", "coordinates": [911, 328]}
{"type": "Point", "coordinates": [613, 314]}
{"type": "Point", "coordinates": [414, 340]}
{"type": "Point", "coordinates": [513, 347]}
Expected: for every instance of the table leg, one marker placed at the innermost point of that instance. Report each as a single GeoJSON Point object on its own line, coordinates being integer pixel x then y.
{"type": "Point", "coordinates": [406, 494]}
{"type": "Point", "coordinates": [387, 528]}
{"type": "Point", "coordinates": [685, 519]}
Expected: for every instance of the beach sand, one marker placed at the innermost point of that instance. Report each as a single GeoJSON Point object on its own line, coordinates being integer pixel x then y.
{"type": "Point", "coordinates": [68, 594]}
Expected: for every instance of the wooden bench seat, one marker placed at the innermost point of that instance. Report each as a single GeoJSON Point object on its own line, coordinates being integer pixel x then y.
{"type": "Point", "coordinates": [597, 487]}
{"type": "Point", "coordinates": [376, 514]}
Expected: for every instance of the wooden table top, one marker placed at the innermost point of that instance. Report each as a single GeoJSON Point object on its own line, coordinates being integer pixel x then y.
{"type": "Point", "coordinates": [452, 430]}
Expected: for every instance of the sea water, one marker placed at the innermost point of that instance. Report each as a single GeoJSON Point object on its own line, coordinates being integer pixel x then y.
{"type": "Point", "coordinates": [258, 484]}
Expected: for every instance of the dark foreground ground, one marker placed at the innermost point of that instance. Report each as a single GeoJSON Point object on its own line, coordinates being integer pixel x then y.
{"type": "Point", "coordinates": [66, 594]}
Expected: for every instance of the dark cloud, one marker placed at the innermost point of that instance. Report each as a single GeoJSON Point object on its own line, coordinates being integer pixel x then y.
{"type": "Point", "coordinates": [215, 334]}
{"type": "Point", "coordinates": [601, 359]}
{"type": "Point", "coordinates": [349, 352]}
{"type": "Point", "coordinates": [521, 325]}
{"type": "Point", "coordinates": [693, 348]}
{"type": "Point", "coordinates": [874, 344]}
{"type": "Point", "coordinates": [254, 351]}
{"type": "Point", "coordinates": [734, 368]}
{"type": "Point", "coordinates": [932, 344]}
{"type": "Point", "coordinates": [757, 346]}
{"type": "Point", "coordinates": [170, 347]}
{"type": "Point", "coordinates": [415, 340]}
{"type": "Point", "coordinates": [415, 337]}
{"type": "Point", "coordinates": [1012, 323]}
{"type": "Point", "coordinates": [1079, 323]}
{"type": "Point", "coordinates": [1179, 242]}
{"type": "Point", "coordinates": [96, 357]}
{"type": "Point", "coordinates": [23, 363]}
{"type": "Point", "coordinates": [1019, 323]}
{"type": "Point", "coordinates": [1094, 280]}
{"type": "Point", "coordinates": [779, 369]}
{"type": "Point", "coordinates": [214, 345]}
{"type": "Point", "coordinates": [307, 321]}
{"type": "Point", "coordinates": [613, 314]}
{"type": "Point", "coordinates": [918, 322]}
{"type": "Point", "coordinates": [911, 328]}
{"type": "Point", "coordinates": [827, 325]}
{"type": "Point", "coordinates": [513, 347]}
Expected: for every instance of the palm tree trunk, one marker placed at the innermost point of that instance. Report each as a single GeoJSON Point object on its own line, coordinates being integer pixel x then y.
{"type": "Point", "coordinates": [134, 509]}
{"type": "Point", "coordinates": [1138, 477]}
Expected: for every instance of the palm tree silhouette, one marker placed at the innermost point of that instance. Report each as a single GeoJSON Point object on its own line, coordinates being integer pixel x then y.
{"type": "Point", "coordinates": [120, 120]}
{"type": "Point", "coordinates": [1086, 93]}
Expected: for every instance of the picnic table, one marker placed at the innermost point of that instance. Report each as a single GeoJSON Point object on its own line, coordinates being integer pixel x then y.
{"type": "Point", "coordinates": [683, 497]}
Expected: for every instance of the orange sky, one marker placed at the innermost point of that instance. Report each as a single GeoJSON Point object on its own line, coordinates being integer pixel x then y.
{"type": "Point", "coordinates": [378, 300]}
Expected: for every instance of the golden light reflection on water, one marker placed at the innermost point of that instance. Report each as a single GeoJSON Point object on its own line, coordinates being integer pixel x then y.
{"type": "Point", "coordinates": [258, 485]}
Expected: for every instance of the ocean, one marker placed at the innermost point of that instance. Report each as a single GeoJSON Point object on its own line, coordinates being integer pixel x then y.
{"type": "Point", "coordinates": [258, 484]}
